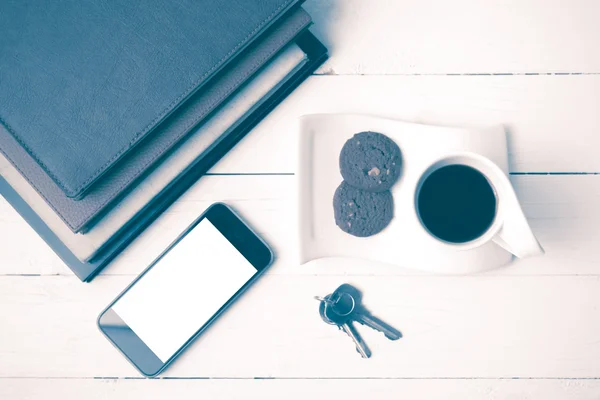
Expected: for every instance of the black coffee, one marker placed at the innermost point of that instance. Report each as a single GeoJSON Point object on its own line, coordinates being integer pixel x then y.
{"type": "Point", "coordinates": [457, 203]}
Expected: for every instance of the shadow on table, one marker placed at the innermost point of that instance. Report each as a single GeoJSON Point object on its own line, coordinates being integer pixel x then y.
{"type": "Point", "coordinates": [323, 13]}
{"type": "Point", "coordinates": [357, 295]}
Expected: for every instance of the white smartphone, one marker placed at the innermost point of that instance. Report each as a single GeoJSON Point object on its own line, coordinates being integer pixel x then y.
{"type": "Point", "coordinates": [185, 289]}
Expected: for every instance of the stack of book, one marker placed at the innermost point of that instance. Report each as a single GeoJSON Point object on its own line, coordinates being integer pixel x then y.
{"type": "Point", "coordinates": [110, 110]}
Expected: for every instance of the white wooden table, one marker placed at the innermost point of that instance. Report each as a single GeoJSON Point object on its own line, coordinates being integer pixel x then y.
{"type": "Point", "coordinates": [531, 330]}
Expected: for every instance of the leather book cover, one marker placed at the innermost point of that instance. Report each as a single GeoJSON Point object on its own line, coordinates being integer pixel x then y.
{"type": "Point", "coordinates": [234, 109]}
{"type": "Point", "coordinates": [82, 82]}
{"type": "Point", "coordinates": [80, 214]}
{"type": "Point", "coordinates": [86, 270]}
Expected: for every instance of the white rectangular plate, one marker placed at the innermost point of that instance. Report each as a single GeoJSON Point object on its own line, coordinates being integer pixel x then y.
{"type": "Point", "coordinates": [403, 242]}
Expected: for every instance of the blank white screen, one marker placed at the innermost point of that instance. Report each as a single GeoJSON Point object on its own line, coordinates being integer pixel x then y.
{"type": "Point", "coordinates": [184, 290]}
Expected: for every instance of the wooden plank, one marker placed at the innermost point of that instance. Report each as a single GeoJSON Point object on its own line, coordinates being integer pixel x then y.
{"type": "Point", "coordinates": [552, 121]}
{"type": "Point", "coordinates": [298, 389]}
{"type": "Point", "coordinates": [453, 327]}
{"type": "Point", "coordinates": [462, 36]}
{"type": "Point", "coordinates": [562, 210]}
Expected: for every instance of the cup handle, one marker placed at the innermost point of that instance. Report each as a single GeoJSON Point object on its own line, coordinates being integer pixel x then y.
{"type": "Point", "coordinates": [518, 240]}
{"type": "Point", "coordinates": [515, 234]}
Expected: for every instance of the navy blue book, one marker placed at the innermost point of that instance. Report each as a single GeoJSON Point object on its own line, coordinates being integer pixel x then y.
{"type": "Point", "coordinates": [86, 269]}
{"type": "Point", "coordinates": [83, 82]}
{"type": "Point", "coordinates": [81, 214]}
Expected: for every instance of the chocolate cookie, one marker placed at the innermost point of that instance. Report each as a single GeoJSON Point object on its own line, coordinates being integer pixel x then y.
{"type": "Point", "coordinates": [362, 213]}
{"type": "Point", "coordinates": [370, 161]}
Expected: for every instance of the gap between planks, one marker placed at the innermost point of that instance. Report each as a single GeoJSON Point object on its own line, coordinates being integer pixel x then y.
{"type": "Point", "coordinates": [293, 174]}
{"type": "Point", "coordinates": [376, 378]}
{"type": "Point", "coordinates": [330, 73]}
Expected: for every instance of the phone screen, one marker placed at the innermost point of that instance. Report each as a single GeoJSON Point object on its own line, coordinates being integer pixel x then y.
{"type": "Point", "coordinates": [184, 290]}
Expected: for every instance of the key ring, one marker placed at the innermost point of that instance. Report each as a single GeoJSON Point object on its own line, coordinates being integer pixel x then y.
{"type": "Point", "coordinates": [340, 302]}
{"type": "Point", "coordinates": [336, 302]}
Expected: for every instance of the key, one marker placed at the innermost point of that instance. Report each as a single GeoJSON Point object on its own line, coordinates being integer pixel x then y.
{"type": "Point", "coordinates": [347, 307]}
{"type": "Point", "coordinates": [343, 323]}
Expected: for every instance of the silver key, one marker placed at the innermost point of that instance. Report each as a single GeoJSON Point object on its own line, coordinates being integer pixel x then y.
{"type": "Point", "coordinates": [343, 323]}
{"type": "Point", "coordinates": [344, 303]}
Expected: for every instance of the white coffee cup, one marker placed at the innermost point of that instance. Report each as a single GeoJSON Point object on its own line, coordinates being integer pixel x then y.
{"type": "Point", "coordinates": [509, 228]}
